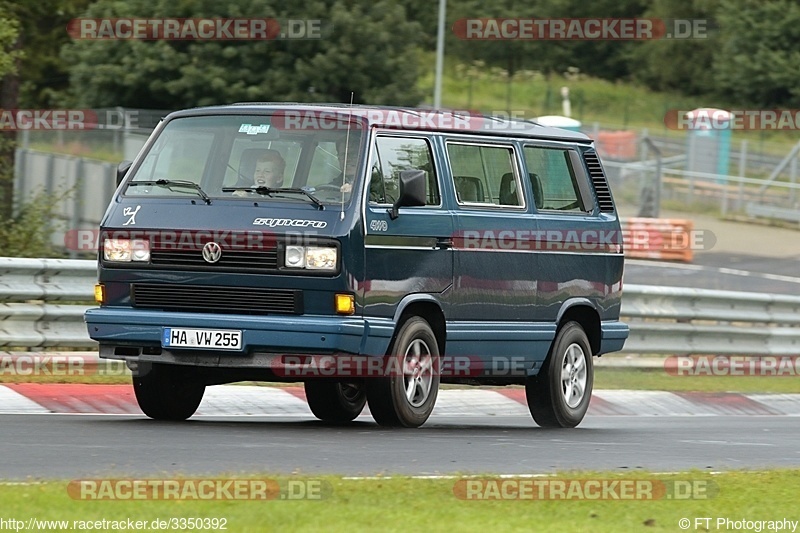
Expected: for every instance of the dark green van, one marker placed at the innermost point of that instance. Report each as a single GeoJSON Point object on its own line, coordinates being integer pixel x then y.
{"type": "Point", "coordinates": [369, 252]}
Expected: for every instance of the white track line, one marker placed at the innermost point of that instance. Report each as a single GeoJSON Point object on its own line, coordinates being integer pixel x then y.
{"type": "Point", "coordinates": [721, 270]}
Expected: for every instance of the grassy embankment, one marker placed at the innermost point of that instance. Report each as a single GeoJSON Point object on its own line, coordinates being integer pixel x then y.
{"type": "Point", "coordinates": [391, 504]}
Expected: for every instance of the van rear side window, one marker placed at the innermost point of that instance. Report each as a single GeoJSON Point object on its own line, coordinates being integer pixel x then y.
{"type": "Point", "coordinates": [553, 180]}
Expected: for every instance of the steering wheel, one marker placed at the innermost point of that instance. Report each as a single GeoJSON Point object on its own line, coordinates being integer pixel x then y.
{"type": "Point", "coordinates": [327, 187]}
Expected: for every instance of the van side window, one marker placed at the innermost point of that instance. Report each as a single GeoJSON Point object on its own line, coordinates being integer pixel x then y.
{"type": "Point", "coordinates": [553, 180]}
{"type": "Point", "coordinates": [394, 154]}
{"type": "Point", "coordinates": [484, 174]}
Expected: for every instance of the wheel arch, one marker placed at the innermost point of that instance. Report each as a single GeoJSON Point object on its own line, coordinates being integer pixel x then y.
{"type": "Point", "coordinates": [582, 311]}
{"type": "Point", "coordinates": [427, 307]}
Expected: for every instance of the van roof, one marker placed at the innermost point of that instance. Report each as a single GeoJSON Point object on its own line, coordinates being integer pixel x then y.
{"type": "Point", "coordinates": [407, 118]}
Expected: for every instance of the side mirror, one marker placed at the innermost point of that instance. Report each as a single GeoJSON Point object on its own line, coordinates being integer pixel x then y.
{"type": "Point", "coordinates": [122, 169]}
{"type": "Point", "coordinates": [412, 191]}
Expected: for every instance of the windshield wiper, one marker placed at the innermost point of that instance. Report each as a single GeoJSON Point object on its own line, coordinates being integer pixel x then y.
{"type": "Point", "coordinates": [304, 192]}
{"type": "Point", "coordinates": [175, 183]}
{"type": "Point", "coordinates": [269, 191]}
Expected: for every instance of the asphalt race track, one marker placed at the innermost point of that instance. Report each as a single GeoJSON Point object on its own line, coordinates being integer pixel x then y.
{"type": "Point", "coordinates": [720, 272]}
{"type": "Point", "coordinates": [38, 444]}
{"type": "Point", "coordinates": [74, 446]}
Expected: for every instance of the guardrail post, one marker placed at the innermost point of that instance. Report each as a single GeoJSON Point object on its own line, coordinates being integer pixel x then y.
{"type": "Point", "coordinates": [742, 170]}
{"type": "Point", "coordinates": [77, 202]}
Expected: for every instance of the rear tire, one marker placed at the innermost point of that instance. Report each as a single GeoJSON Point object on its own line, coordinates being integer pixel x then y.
{"type": "Point", "coordinates": [167, 392]}
{"type": "Point", "coordinates": [559, 395]}
{"type": "Point", "coordinates": [406, 398]}
{"type": "Point", "coordinates": [335, 401]}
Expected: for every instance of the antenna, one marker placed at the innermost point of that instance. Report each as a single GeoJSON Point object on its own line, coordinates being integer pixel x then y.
{"type": "Point", "coordinates": [346, 153]}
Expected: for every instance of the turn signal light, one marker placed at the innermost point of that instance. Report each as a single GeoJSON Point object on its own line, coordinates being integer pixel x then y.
{"type": "Point", "coordinates": [345, 304]}
{"type": "Point", "coordinates": [99, 293]}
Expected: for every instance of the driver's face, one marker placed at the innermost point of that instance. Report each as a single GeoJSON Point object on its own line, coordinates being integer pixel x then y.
{"type": "Point", "coordinates": [266, 175]}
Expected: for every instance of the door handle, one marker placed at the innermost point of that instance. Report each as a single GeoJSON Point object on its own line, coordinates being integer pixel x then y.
{"type": "Point", "coordinates": [444, 242]}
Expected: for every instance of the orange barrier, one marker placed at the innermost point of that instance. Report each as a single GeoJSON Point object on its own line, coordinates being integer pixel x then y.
{"type": "Point", "coordinates": [619, 145]}
{"type": "Point", "coordinates": [659, 238]}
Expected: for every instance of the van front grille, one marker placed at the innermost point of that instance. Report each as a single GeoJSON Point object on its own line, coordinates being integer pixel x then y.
{"type": "Point", "coordinates": [248, 300]}
{"type": "Point", "coordinates": [230, 259]}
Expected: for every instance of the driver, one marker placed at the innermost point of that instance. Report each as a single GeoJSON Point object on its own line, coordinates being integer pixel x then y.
{"type": "Point", "coordinates": [347, 153]}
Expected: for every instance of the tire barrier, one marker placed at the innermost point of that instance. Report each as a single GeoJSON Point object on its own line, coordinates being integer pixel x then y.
{"type": "Point", "coordinates": [664, 239]}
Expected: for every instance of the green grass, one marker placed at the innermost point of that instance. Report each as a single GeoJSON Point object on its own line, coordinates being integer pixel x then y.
{"type": "Point", "coordinates": [400, 503]}
{"type": "Point", "coordinates": [658, 379]}
{"type": "Point", "coordinates": [593, 100]}
{"type": "Point", "coordinates": [615, 105]}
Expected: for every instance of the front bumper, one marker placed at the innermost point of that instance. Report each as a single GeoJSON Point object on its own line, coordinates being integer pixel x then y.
{"type": "Point", "coordinates": [141, 331]}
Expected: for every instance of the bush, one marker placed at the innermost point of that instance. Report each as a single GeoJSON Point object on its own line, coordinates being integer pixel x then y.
{"type": "Point", "coordinates": [29, 232]}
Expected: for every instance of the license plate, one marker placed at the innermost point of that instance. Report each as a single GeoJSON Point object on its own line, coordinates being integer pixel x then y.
{"type": "Point", "coordinates": [217, 339]}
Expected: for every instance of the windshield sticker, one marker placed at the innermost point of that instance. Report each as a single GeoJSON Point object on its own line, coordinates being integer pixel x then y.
{"type": "Point", "coordinates": [131, 212]}
{"type": "Point", "coordinates": [251, 129]}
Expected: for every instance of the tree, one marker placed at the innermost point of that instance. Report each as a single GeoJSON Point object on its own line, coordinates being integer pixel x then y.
{"type": "Point", "coordinates": [43, 75]}
{"type": "Point", "coordinates": [756, 63]}
{"type": "Point", "coordinates": [683, 65]}
{"type": "Point", "coordinates": [10, 54]}
{"type": "Point", "coordinates": [368, 48]}
{"type": "Point", "coordinates": [604, 59]}
{"type": "Point", "coordinates": [30, 72]}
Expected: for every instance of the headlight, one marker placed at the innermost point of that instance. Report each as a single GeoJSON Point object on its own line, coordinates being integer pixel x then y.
{"type": "Point", "coordinates": [126, 250]}
{"type": "Point", "coordinates": [311, 257]}
{"type": "Point", "coordinates": [320, 258]}
{"type": "Point", "coordinates": [295, 256]}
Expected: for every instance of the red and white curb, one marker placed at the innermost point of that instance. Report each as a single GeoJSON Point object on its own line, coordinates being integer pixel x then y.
{"type": "Point", "coordinates": [246, 400]}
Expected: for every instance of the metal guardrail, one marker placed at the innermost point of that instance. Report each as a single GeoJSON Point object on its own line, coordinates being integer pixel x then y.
{"type": "Point", "coordinates": [28, 288]}
{"type": "Point", "coordinates": [677, 320]}
{"type": "Point", "coordinates": [663, 320]}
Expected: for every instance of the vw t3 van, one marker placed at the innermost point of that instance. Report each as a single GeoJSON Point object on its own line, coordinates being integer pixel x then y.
{"type": "Point", "coordinates": [371, 253]}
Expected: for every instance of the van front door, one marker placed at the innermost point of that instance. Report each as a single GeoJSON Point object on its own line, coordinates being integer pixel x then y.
{"type": "Point", "coordinates": [412, 254]}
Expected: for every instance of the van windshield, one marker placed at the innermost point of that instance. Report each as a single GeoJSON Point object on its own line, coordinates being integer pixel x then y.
{"type": "Point", "coordinates": [254, 157]}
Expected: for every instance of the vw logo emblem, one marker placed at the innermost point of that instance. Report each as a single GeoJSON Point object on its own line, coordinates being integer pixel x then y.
{"type": "Point", "coordinates": [212, 252]}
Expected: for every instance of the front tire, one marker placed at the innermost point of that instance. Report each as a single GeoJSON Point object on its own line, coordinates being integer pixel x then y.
{"type": "Point", "coordinates": [335, 401]}
{"type": "Point", "coordinates": [167, 392]}
{"type": "Point", "coordinates": [406, 398]}
{"type": "Point", "coordinates": [559, 395]}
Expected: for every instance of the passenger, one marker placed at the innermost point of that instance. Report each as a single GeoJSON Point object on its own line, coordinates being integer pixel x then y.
{"type": "Point", "coordinates": [268, 173]}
